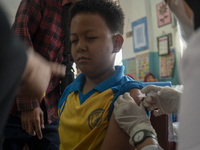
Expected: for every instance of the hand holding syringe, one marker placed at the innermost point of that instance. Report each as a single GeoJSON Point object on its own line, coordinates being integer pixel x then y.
{"type": "Point", "coordinates": [164, 99]}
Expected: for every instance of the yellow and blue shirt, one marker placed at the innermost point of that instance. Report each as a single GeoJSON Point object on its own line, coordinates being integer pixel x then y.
{"type": "Point", "coordinates": [84, 118]}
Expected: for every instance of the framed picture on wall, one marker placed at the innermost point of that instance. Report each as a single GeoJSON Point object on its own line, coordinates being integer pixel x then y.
{"type": "Point", "coordinates": [140, 35]}
{"type": "Point", "coordinates": [163, 45]}
{"type": "Point", "coordinates": [163, 14]}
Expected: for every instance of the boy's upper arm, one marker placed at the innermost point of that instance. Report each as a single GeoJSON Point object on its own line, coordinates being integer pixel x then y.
{"type": "Point", "coordinates": [115, 137]}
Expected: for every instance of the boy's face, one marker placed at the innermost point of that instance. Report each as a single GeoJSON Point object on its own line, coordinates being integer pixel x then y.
{"type": "Point", "coordinates": [92, 44]}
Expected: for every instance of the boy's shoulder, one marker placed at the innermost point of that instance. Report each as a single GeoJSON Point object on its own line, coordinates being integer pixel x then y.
{"type": "Point", "coordinates": [126, 84]}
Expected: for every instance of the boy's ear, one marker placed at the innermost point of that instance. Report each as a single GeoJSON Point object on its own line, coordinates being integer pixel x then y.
{"type": "Point", "coordinates": [118, 41]}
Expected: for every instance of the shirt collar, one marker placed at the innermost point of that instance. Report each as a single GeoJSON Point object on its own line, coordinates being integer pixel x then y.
{"type": "Point", "coordinates": [64, 2]}
{"type": "Point", "coordinates": [115, 78]}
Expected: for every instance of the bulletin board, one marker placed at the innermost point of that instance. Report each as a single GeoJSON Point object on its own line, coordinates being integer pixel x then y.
{"type": "Point", "coordinates": [142, 62]}
{"type": "Point", "coordinates": [130, 66]}
{"type": "Point", "coordinates": [167, 65]}
{"type": "Point", "coordinates": [140, 35]}
{"type": "Point", "coordinates": [151, 63]}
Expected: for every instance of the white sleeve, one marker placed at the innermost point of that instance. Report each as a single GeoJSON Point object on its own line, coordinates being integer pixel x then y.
{"type": "Point", "coordinates": [185, 24]}
{"type": "Point", "coordinates": [188, 133]}
{"type": "Point", "coordinates": [152, 147]}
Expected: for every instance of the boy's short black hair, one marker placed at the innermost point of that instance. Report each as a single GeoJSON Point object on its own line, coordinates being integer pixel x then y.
{"type": "Point", "coordinates": [109, 11]}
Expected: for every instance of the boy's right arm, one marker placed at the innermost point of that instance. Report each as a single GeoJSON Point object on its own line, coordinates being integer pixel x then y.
{"type": "Point", "coordinates": [115, 137]}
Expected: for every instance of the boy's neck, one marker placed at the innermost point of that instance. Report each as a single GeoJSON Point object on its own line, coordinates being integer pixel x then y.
{"type": "Point", "coordinates": [90, 83]}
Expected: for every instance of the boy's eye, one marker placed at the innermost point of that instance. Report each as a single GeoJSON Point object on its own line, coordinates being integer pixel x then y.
{"type": "Point", "coordinates": [73, 41]}
{"type": "Point", "coordinates": [91, 38]}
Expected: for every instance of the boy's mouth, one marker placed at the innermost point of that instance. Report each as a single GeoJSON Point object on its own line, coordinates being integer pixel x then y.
{"type": "Point", "coordinates": [82, 59]}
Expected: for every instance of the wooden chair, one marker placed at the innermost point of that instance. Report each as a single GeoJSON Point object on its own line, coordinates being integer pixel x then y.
{"type": "Point", "coordinates": [160, 124]}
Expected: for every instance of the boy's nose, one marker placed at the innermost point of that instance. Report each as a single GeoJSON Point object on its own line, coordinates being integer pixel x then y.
{"type": "Point", "coordinates": [81, 45]}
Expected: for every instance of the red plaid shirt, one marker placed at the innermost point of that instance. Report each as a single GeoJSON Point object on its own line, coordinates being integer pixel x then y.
{"type": "Point", "coordinates": [40, 24]}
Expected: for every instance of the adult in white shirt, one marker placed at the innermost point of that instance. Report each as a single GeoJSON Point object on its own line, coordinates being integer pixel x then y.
{"type": "Point", "coordinates": [132, 118]}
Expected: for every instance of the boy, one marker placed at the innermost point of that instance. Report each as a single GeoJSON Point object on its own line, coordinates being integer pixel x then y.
{"type": "Point", "coordinates": [85, 108]}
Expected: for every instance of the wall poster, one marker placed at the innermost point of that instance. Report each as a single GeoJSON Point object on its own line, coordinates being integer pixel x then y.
{"type": "Point", "coordinates": [131, 67]}
{"type": "Point", "coordinates": [142, 62]}
{"type": "Point", "coordinates": [167, 65]}
{"type": "Point", "coordinates": [163, 45]}
{"type": "Point", "coordinates": [163, 14]}
{"type": "Point", "coordinates": [140, 35]}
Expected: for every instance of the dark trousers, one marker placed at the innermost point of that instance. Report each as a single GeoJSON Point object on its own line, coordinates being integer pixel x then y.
{"type": "Point", "coordinates": [16, 137]}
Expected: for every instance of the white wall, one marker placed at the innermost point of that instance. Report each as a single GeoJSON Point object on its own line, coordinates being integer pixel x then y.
{"type": "Point", "coordinates": [10, 7]}
{"type": "Point", "coordinates": [133, 10]}
{"type": "Point", "coordinates": [136, 9]}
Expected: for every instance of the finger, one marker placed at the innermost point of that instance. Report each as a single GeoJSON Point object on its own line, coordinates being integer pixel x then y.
{"type": "Point", "coordinates": [142, 107]}
{"type": "Point", "coordinates": [127, 96]}
{"type": "Point", "coordinates": [152, 107]}
{"type": "Point", "coordinates": [157, 113]}
{"type": "Point", "coordinates": [116, 103]}
{"type": "Point", "coordinates": [42, 120]}
{"type": "Point", "coordinates": [119, 100]}
{"type": "Point", "coordinates": [150, 88]}
{"type": "Point", "coordinates": [147, 89]}
{"type": "Point", "coordinates": [30, 129]}
{"type": "Point", "coordinates": [38, 129]}
{"type": "Point", "coordinates": [58, 69]}
{"type": "Point", "coordinates": [148, 99]}
{"type": "Point", "coordinates": [146, 104]}
{"type": "Point", "coordinates": [23, 125]}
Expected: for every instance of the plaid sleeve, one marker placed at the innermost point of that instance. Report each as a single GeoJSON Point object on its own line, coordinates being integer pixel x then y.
{"type": "Point", "coordinates": [25, 103]}
{"type": "Point", "coordinates": [27, 19]}
{"type": "Point", "coordinates": [25, 25]}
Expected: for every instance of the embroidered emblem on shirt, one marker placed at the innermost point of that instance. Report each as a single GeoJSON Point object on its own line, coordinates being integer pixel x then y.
{"type": "Point", "coordinates": [95, 118]}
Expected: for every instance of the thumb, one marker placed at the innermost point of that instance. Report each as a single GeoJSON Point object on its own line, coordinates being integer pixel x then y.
{"type": "Point", "coordinates": [150, 88]}
{"type": "Point", "coordinates": [58, 69]}
{"type": "Point", "coordinates": [119, 101]}
{"type": "Point", "coordinates": [130, 101]}
{"type": "Point", "coordinates": [128, 97]}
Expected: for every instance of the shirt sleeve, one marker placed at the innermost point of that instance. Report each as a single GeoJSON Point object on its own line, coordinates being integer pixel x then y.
{"type": "Point", "coordinates": [130, 85]}
{"type": "Point", "coordinates": [27, 19]}
{"type": "Point", "coordinates": [125, 87]}
{"type": "Point", "coordinates": [152, 147]}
